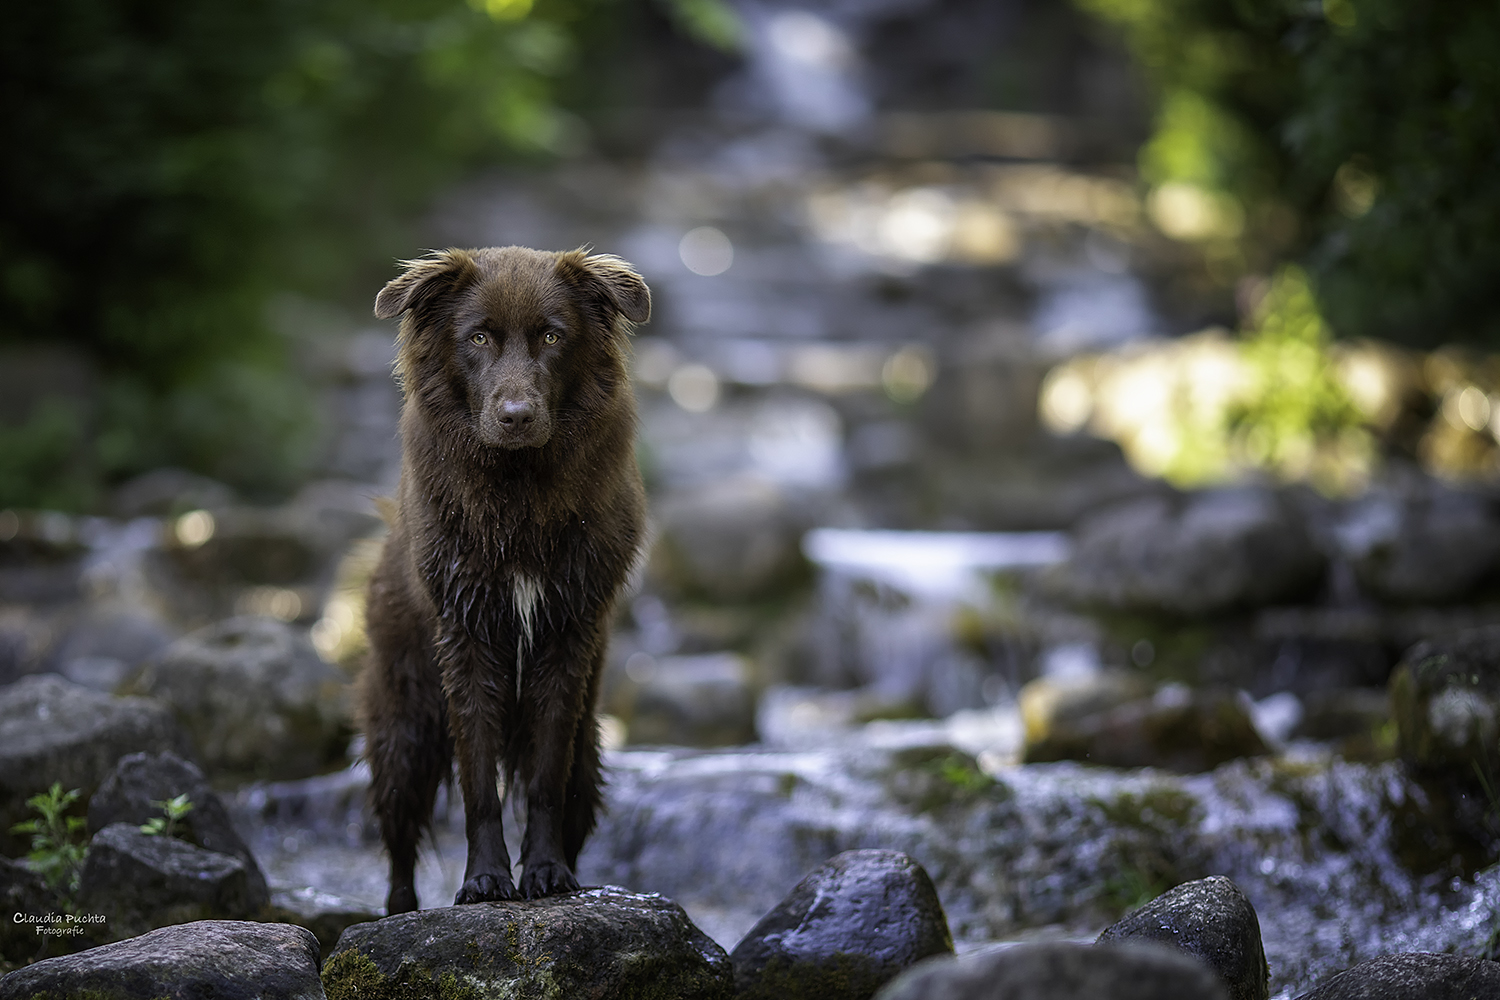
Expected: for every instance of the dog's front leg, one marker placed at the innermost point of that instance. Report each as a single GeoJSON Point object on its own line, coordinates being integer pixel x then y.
{"type": "Point", "coordinates": [557, 698]}
{"type": "Point", "coordinates": [474, 710]}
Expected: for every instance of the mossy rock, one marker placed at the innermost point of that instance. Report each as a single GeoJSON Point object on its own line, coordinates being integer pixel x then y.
{"type": "Point", "coordinates": [597, 943]}
{"type": "Point", "coordinates": [1445, 696]}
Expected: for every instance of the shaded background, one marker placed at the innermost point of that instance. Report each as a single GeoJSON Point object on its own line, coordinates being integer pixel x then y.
{"type": "Point", "coordinates": [1184, 308]}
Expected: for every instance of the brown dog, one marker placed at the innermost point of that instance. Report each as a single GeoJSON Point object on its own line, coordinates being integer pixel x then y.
{"type": "Point", "coordinates": [517, 521]}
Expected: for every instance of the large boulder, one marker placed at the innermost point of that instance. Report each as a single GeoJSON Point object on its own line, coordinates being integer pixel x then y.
{"type": "Point", "coordinates": [597, 943]}
{"type": "Point", "coordinates": [1415, 974]}
{"type": "Point", "coordinates": [206, 960]}
{"type": "Point", "coordinates": [254, 696]}
{"type": "Point", "coordinates": [53, 731]}
{"type": "Point", "coordinates": [1192, 555]}
{"type": "Point", "coordinates": [140, 780]}
{"type": "Point", "coordinates": [1211, 920]}
{"type": "Point", "coordinates": [1421, 542]}
{"type": "Point", "coordinates": [1445, 695]}
{"type": "Point", "coordinates": [139, 881]}
{"type": "Point", "coordinates": [1060, 970]}
{"type": "Point", "coordinates": [844, 931]}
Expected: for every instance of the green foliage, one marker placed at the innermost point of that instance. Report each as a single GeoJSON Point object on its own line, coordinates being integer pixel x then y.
{"type": "Point", "coordinates": [1359, 136]}
{"type": "Point", "coordinates": [58, 846]}
{"type": "Point", "coordinates": [175, 163]}
{"type": "Point", "coordinates": [173, 810]}
{"type": "Point", "coordinates": [1298, 420]}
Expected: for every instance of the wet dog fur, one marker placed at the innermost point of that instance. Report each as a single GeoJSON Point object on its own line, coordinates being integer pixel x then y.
{"type": "Point", "coordinates": [519, 517]}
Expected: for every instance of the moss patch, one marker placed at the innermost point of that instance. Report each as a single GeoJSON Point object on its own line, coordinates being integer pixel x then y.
{"type": "Point", "coordinates": [350, 975]}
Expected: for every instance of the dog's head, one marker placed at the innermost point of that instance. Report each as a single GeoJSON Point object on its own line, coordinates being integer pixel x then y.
{"type": "Point", "coordinates": [509, 342]}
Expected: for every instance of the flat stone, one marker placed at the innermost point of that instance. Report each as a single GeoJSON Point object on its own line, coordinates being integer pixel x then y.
{"type": "Point", "coordinates": [53, 731]}
{"type": "Point", "coordinates": [602, 942]}
{"type": "Point", "coordinates": [139, 881]}
{"type": "Point", "coordinates": [845, 930]}
{"type": "Point", "coordinates": [1415, 974]}
{"type": "Point", "coordinates": [1211, 920]}
{"type": "Point", "coordinates": [1060, 970]}
{"type": "Point", "coordinates": [204, 960]}
{"type": "Point", "coordinates": [254, 696]}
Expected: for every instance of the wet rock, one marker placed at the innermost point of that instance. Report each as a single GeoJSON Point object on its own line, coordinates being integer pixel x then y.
{"type": "Point", "coordinates": [1060, 971]}
{"type": "Point", "coordinates": [728, 541]}
{"type": "Point", "coordinates": [844, 930]}
{"type": "Point", "coordinates": [1177, 728]}
{"type": "Point", "coordinates": [140, 780]}
{"type": "Point", "coordinates": [1211, 920]}
{"type": "Point", "coordinates": [1415, 974]}
{"type": "Point", "coordinates": [598, 942]}
{"type": "Point", "coordinates": [1421, 543]}
{"type": "Point", "coordinates": [1445, 696]}
{"type": "Point", "coordinates": [23, 892]}
{"type": "Point", "coordinates": [254, 696]}
{"type": "Point", "coordinates": [55, 731]}
{"type": "Point", "coordinates": [140, 881]}
{"type": "Point", "coordinates": [691, 700]}
{"type": "Point", "coordinates": [1192, 555]}
{"type": "Point", "coordinates": [222, 959]}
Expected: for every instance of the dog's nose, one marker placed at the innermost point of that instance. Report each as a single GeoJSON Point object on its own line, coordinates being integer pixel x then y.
{"type": "Point", "coordinates": [516, 413]}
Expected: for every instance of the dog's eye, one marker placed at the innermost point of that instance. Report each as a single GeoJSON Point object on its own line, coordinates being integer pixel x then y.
{"type": "Point", "coordinates": [480, 339]}
{"type": "Point", "coordinates": [549, 338]}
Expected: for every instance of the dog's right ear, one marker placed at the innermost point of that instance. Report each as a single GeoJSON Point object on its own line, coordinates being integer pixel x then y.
{"type": "Point", "coordinates": [423, 279]}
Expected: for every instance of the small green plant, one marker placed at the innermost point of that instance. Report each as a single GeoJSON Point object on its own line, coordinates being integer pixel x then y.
{"type": "Point", "coordinates": [172, 810]}
{"type": "Point", "coordinates": [57, 844]}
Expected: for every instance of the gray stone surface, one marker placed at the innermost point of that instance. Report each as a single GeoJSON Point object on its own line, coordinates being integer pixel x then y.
{"type": "Point", "coordinates": [1060, 971]}
{"type": "Point", "coordinates": [55, 731]}
{"type": "Point", "coordinates": [140, 780]}
{"type": "Point", "coordinates": [1211, 920]}
{"type": "Point", "coordinates": [254, 696]}
{"type": "Point", "coordinates": [205, 960]}
{"type": "Point", "coordinates": [140, 881]}
{"type": "Point", "coordinates": [844, 931]}
{"type": "Point", "coordinates": [1413, 975]}
{"type": "Point", "coordinates": [598, 942]}
{"type": "Point", "coordinates": [1192, 555]}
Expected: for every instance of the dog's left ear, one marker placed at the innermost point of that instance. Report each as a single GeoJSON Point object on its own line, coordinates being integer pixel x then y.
{"type": "Point", "coordinates": [612, 279]}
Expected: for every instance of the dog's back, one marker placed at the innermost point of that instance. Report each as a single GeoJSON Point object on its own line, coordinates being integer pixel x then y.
{"type": "Point", "coordinates": [518, 519]}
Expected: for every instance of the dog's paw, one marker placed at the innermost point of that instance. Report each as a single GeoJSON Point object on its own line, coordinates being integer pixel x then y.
{"type": "Point", "coordinates": [547, 880]}
{"type": "Point", "coordinates": [485, 889]}
{"type": "Point", "coordinates": [401, 899]}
